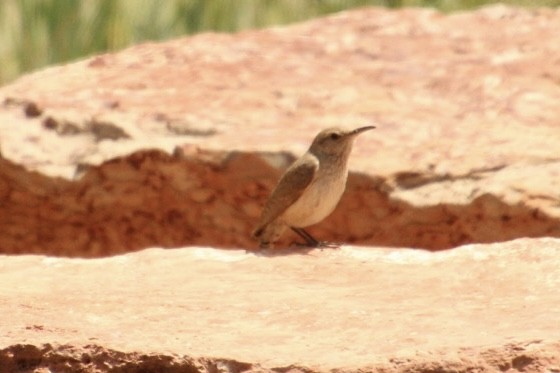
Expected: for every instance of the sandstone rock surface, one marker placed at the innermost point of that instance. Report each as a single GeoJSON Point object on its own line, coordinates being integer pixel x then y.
{"type": "Point", "coordinates": [479, 308]}
{"type": "Point", "coordinates": [178, 143]}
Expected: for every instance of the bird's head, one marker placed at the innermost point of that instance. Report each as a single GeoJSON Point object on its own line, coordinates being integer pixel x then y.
{"type": "Point", "coordinates": [335, 141]}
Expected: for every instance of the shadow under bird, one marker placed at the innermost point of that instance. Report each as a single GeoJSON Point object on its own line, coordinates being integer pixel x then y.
{"type": "Point", "coordinates": [310, 188]}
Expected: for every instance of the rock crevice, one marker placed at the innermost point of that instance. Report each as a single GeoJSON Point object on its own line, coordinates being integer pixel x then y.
{"type": "Point", "coordinates": [151, 198]}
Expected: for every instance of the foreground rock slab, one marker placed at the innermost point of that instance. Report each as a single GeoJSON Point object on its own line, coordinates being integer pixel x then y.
{"type": "Point", "coordinates": [477, 308]}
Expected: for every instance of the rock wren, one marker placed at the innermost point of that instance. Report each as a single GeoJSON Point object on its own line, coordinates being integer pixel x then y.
{"type": "Point", "coordinates": [310, 188]}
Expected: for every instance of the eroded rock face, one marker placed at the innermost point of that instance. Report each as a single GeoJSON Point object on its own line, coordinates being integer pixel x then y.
{"type": "Point", "coordinates": [466, 148]}
{"type": "Point", "coordinates": [482, 308]}
{"type": "Point", "coordinates": [152, 198]}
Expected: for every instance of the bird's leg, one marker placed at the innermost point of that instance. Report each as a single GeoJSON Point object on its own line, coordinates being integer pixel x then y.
{"type": "Point", "coordinates": [311, 241]}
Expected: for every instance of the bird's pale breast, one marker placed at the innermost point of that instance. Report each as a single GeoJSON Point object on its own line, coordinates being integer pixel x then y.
{"type": "Point", "coordinates": [319, 199]}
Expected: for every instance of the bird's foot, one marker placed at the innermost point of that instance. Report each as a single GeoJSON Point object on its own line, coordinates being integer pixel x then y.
{"type": "Point", "coordinates": [310, 241]}
{"type": "Point", "coordinates": [328, 245]}
{"type": "Point", "coordinates": [319, 245]}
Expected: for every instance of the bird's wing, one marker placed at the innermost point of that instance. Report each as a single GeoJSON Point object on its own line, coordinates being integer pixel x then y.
{"type": "Point", "coordinates": [290, 187]}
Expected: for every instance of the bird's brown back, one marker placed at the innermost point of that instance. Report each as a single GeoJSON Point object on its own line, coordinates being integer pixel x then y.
{"type": "Point", "coordinates": [290, 187]}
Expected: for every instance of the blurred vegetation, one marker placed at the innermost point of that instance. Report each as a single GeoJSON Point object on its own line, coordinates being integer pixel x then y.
{"type": "Point", "coordinates": [36, 33]}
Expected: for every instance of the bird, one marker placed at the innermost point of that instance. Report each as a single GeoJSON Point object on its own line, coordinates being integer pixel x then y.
{"type": "Point", "coordinates": [310, 189]}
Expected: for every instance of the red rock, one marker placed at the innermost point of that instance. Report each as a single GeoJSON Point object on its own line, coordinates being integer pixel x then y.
{"type": "Point", "coordinates": [466, 148]}
{"type": "Point", "coordinates": [484, 308]}
{"type": "Point", "coordinates": [179, 143]}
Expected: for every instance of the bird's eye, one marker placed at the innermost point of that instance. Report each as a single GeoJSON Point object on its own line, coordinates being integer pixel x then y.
{"type": "Point", "coordinates": [335, 136]}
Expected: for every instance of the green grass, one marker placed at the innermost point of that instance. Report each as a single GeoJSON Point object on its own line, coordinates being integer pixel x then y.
{"type": "Point", "coordinates": [37, 33]}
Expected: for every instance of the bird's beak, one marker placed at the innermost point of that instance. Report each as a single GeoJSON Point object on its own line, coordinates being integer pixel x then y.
{"type": "Point", "coordinates": [357, 131]}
